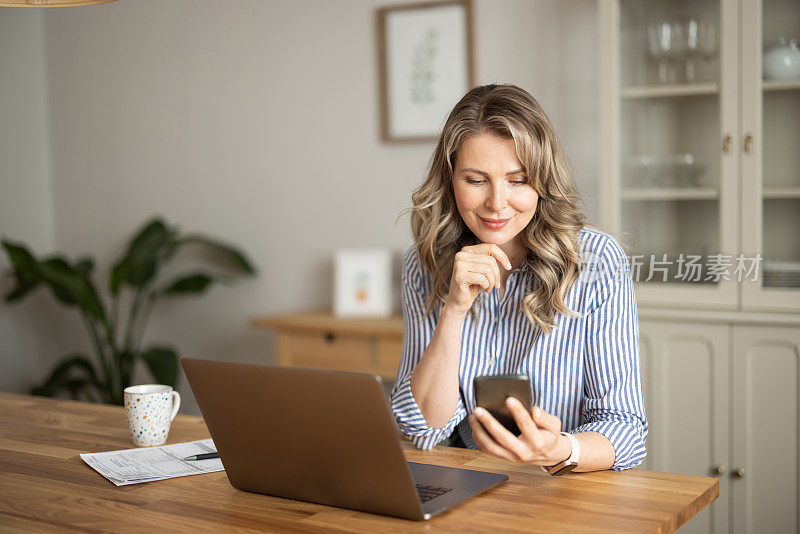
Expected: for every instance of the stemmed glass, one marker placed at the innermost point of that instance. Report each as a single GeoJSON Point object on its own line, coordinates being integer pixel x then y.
{"type": "Point", "coordinates": [700, 42]}
{"type": "Point", "coordinates": [708, 42]}
{"type": "Point", "coordinates": [692, 27]}
{"type": "Point", "coordinates": [666, 42]}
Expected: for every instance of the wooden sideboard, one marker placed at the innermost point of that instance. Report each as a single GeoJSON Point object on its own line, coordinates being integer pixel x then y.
{"type": "Point", "coordinates": [320, 340]}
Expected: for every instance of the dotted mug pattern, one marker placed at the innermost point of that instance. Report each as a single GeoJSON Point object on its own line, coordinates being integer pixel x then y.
{"type": "Point", "coordinates": [149, 417]}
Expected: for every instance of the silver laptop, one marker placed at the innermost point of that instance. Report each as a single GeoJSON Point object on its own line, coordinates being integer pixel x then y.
{"type": "Point", "coordinates": [321, 436]}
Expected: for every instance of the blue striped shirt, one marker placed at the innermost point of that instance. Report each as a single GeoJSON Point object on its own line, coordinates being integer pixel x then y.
{"type": "Point", "coordinates": [585, 371]}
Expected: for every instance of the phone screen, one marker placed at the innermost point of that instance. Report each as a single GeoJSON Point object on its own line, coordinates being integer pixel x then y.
{"type": "Point", "coordinates": [491, 393]}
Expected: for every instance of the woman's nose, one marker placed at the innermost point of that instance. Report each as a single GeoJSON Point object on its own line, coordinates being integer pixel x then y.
{"type": "Point", "coordinates": [498, 198]}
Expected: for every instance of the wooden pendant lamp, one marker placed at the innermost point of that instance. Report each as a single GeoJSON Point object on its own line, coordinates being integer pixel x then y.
{"type": "Point", "coordinates": [51, 3]}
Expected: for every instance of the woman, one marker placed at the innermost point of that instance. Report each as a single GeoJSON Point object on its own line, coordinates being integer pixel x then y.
{"type": "Point", "coordinates": [498, 215]}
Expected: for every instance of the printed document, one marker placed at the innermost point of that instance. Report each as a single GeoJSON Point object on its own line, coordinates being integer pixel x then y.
{"type": "Point", "coordinates": [134, 466]}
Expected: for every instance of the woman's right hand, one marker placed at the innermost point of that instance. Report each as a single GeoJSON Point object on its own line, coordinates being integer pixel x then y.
{"type": "Point", "coordinates": [476, 268]}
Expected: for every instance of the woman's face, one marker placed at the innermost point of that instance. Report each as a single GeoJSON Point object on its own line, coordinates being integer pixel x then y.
{"type": "Point", "coordinates": [491, 189]}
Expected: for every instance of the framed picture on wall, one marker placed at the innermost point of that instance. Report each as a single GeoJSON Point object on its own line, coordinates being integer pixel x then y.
{"type": "Point", "coordinates": [426, 64]}
{"type": "Point", "coordinates": [363, 283]}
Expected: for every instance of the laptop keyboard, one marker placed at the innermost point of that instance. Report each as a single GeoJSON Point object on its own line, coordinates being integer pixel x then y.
{"type": "Point", "coordinates": [427, 493]}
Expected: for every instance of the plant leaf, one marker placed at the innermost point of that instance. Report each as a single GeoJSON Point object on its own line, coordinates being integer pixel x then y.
{"type": "Point", "coordinates": [61, 279]}
{"type": "Point", "coordinates": [25, 270]}
{"type": "Point", "coordinates": [193, 284]}
{"type": "Point", "coordinates": [71, 288]}
{"type": "Point", "coordinates": [70, 285]}
{"type": "Point", "coordinates": [229, 253]}
{"type": "Point", "coordinates": [76, 386]}
{"type": "Point", "coordinates": [141, 262]}
{"type": "Point", "coordinates": [20, 290]}
{"type": "Point", "coordinates": [163, 364]}
{"type": "Point", "coordinates": [63, 376]}
{"type": "Point", "coordinates": [118, 275]}
{"type": "Point", "coordinates": [84, 267]}
{"type": "Point", "coordinates": [22, 260]}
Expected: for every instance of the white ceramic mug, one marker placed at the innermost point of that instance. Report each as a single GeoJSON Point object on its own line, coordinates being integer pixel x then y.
{"type": "Point", "coordinates": [150, 408]}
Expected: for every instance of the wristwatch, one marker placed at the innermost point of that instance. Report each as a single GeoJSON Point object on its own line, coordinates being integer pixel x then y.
{"type": "Point", "coordinates": [570, 463]}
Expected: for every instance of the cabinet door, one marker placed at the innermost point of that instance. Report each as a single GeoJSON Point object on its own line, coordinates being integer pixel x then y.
{"type": "Point", "coordinates": [766, 424]}
{"type": "Point", "coordinates": [685, 379]}
{"type": "Point", "coordinates": [668, 73]}
{"type": "Point", "coordinates": [769, 154]}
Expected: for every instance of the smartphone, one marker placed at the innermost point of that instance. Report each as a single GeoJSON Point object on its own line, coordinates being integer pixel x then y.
{"type": "Point", "coordinates": [491, 393]}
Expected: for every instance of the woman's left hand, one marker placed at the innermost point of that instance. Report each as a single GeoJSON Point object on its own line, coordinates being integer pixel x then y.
{"type": "Point", "coordinates": [540, 443]}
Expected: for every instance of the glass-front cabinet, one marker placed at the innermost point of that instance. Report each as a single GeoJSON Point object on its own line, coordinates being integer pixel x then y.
{"type": "Point", "coordinates": [700, 149]}
{"type": "Point", "coordinates": [699, 109]}
{"type": "Point", "coordinates": [771, 150]}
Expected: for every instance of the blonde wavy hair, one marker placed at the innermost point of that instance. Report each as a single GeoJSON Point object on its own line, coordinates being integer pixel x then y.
{"type": "Point", "coordinates": [551, 237]}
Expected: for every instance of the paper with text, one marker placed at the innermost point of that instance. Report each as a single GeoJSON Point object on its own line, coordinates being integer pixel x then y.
{"type": "Point", "coordinates": [134, 466]}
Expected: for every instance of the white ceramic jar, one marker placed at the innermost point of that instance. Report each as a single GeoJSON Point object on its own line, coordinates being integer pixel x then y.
{"type": "Point", "coordinates": [782, 61]}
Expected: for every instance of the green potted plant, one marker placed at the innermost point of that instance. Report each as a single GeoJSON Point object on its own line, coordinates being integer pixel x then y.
{"type": "Point", "coordinates": [134, 282]}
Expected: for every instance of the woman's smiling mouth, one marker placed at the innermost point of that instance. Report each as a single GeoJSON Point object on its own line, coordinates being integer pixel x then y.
{"type": "Point", "coordinates": [494, 224]}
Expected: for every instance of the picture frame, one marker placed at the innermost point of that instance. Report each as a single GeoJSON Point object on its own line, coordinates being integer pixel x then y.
{"type": "Point", "coordinates": [426, 64]}
{"type": "Point", "coordinates": [363, 283]}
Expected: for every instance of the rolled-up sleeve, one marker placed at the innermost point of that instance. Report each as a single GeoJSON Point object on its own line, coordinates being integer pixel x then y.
{"type": "Point", "coordinates": [613, 404]}
{"type": "Point", "coordinates": [417, 332]}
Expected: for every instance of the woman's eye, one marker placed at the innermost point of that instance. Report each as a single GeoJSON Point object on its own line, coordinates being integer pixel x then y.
{"type": "Point", "coordinates": [479, 182]}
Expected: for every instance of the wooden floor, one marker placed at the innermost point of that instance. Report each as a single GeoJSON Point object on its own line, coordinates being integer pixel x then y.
{"type": "Point", "coordinates": [45, 486]}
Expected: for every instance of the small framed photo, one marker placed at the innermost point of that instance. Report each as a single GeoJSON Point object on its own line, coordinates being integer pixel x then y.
{"type": "Point", "coordinates": [363, 283]}
{"type": "Point", "coordinates": [426, 61]}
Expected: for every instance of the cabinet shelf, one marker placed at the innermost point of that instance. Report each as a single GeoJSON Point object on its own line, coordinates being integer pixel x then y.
{"type": "Point", "coordinates": [780, 85]}
{"type": "Point", "coordinates": [700, 193]}
{"type": "Point", "coordinates": [670, 193]}
{"type": "Point", "coordinates": [666, 91]}
{"type": "Point", "coordinates": [781, 192]}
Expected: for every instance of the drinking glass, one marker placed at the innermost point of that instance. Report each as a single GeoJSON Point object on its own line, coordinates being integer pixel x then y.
{"type": "Point", "coordinates": [665, 44]}
{"type": "Point", "coordinates": [700, 43]}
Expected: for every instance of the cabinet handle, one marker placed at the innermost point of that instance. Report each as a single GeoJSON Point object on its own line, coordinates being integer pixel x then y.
{"type": "Point", "coordinates": [739, 473]}
{"type": "Point", "coordinates": [748, 143]}
{"type": "Point", "coordinates": [720, 469]}
{"type": "Point", "coordinates": [727, 141]}
{"type": "Point", "coordinates": [330, 337]}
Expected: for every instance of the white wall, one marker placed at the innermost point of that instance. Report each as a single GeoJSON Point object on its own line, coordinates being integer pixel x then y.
{"type": "Point", "coordinates": [256, 121]}
{"type": "Point", "coordinates": [26, 203]}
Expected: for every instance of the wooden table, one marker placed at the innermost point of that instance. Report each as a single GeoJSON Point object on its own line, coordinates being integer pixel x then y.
{"type": "Point", "coordinates": [45, 486]}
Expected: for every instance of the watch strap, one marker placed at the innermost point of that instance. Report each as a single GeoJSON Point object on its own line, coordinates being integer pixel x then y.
{"type": "Point", "coordinates": [576, 448]}
{"type": "Point", "coordinates": [570, 463]}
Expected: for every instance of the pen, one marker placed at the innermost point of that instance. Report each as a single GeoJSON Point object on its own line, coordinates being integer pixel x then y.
{"type": "Point", "coordinates": [204, 456]}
